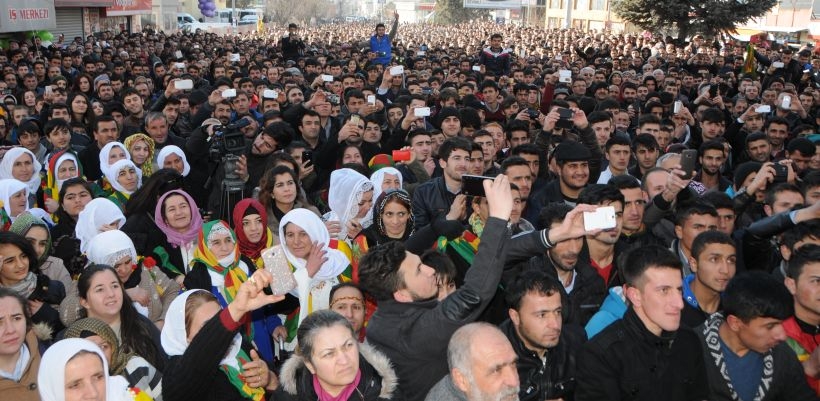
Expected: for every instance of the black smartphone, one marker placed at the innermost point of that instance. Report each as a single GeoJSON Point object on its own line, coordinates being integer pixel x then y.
{"type": "Point", "coordinates": [533, 113]}
{"type": "Point", "coordinates": [564, 118]}
{"type": "Point", "coordinates": [688, 162]}
{"type": "Point", "coordinates": [473, 185]}
{"type": "Point", "coordinates": [307, 156]}
{"type": "Point", "coordinates": [781, 173]}
{"type": "Point", "coordinates": [713, 90]}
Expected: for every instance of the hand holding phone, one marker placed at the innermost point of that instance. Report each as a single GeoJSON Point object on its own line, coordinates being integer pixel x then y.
{"type": "Point", "coordinates": [688, 163]}
{"type": "Point", "coordinates": [603, 218]}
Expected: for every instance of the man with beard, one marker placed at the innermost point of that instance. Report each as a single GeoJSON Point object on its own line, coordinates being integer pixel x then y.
{"type": "Point", "coordinates": [482, 367]}
{"type": "Point", "coordinates": [573, 159]}
{"type": "Point", "coordinates": [712, 155]}
{"type": "Point", "coordinates": [546, 347]}
{"type": "Point", "coordinates": [562, 262]}
{"type": "Point", "coordinates": [407, 290]}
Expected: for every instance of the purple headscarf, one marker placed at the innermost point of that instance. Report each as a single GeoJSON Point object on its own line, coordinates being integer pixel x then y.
{"type": "Point", "coordinates": [174, 237]}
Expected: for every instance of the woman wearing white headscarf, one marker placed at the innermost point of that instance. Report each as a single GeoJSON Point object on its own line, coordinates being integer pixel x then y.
{"type": "Point", "coordinates": [150, 289]}
{"type": "Point", "coordinates": [173, 157]}
{"type": "Point", "coordinates": [98, 216]}
{"type": "Point", "coordinates": [125, 178]}
{"type": "Point", "coordinates": [385, 178]}
{"type": "Point", "coordinates": [316, 266]}
{"type": "Point", "coordinates": [350, 199]}
{"type": "Point", "coordinates": [111, 153]}
{"type": "Point", "coordinates": [79, 360]}
{"type": "Point", "coordinates": [21, 164]}
{"type": "Point", "coordinates": [208, 360]}
{"type": "Point", "coordinates": [14, 195]}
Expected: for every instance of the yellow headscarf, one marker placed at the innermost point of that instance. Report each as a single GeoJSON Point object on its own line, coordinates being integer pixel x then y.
{"type": "Point", "coordinates": [147, 167]}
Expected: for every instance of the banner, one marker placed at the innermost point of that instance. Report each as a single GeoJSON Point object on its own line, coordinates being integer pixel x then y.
{"type": "Point", "coordinates": [83, 3]}
{"type": "Point", "coordinates": [493, 4]}
{"type": "Point", "coordinates": [128, 7]}
{"type": "Point", "coordinates": [27, 15]}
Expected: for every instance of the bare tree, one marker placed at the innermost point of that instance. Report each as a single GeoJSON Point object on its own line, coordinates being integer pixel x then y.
{"type": "Point", "coordinates": [300, 10]}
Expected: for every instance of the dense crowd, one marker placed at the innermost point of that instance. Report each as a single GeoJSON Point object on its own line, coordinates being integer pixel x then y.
{"type": "Point", "coordinates": [409, 212]}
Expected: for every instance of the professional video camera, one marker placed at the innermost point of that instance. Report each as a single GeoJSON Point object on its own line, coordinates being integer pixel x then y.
{"type": "Point", "coordinates": [227, 144]}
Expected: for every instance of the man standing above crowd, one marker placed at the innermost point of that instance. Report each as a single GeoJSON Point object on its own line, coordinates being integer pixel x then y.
{"type": "Point", "coordinates": [381, 45]}
{"type": "Point", "coordinates": [496, 59]}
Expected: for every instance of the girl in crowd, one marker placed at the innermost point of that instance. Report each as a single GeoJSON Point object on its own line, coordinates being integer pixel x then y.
{"type": "Point", "coordinates": [133, 368]}
{"type": "Point", "coordinates": [151, 290]}
{"type": "Point", "coordinates": [102, 296]}
{"type": "Point", "coordinates": [351, 154]}
{"type": "Point", "coordinates": [141, 149]}
{"type": "Point", "coordinates": [125, 178]}
{"type": "Point", "coordinates": [83, 85]}
{"type": "Point", "coordinates": [98, 108]}
{"type": "Point", "coordinates": [20, 352]}
{"type": "Point", "coordinates": [218, 267]}
{"type": "Point", "coordinates": [326, 342]}
{"type": "Point", "coordinates": [14, 196]}
{"type": "Point", "coordinates": [350, 198]}
{"type": "Point", "coordinates": [178, 217]}
{"type": "Point", "coordinates": [279, 193]}
{"type": "Point", "coordinates": [30, 100]}
{"type": "Point", "coordinates": [75, 194]}
{"type": "Point", "coordinates": [35, 231]}
{"type": "Point", "coordinates": [249, 217]}
{"type": "Point", "coordinates": [318, 263]}
{"type": "Point", "coordinates": [98, 216]}
{"type": "Point", "coordinates": [61, 167]}
{"type": "Point", "coordinates": [111, 153]}
{"type": "Point", "coordinates": [19, 163]}
{"type": "Point", "coordinates": [79, 107]}
{"type": "Point", "coordinates": [77, 369]}
{"type": "Point", "coordinates": [18, 272]}
{"type": "Point", "coordinates": [348, 300]}
{"type": "Point", "coordinates": [209, 361]}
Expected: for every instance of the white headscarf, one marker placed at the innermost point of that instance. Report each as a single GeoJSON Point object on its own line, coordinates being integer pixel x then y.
{"type": "Point", "coordinates": [9, 187]}
{"type": "Point", "coordinates": [7, 165]}
{"type": "Point", "coordinates": [113, 171]}
{"type": "Point", "coordinates": [97, 213]}
{"type": "Point", "coordinates": [346, 190]}
{"type": "Point", "coordinates": [65, 156]}
{"type": "Point", "coordinates": [377, 179]}
{"type": "Point", "coordinates": [336, 263]}
{"type": "Point", "coordinates": [51, 376]}
{"type": "Point", "coordinates": [108, 248]}
{"type": "Point", "coordinates": [167, 151]}
{"type": "Point", "coordinates": [174, 338]}
{"type": "Point", "coordinates": [105, 152]}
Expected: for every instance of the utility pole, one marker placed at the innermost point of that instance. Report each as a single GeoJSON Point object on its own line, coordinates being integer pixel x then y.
{"type": "Point", "coordinates": [568, 15]}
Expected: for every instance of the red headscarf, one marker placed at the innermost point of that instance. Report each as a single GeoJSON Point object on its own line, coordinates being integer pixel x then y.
{"type": "Point", "coordinates": [246, 247]}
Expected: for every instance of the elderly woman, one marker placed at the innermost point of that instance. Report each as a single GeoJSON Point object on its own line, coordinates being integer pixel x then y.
{"type": "Point", "coordinates": [98, 216]}
{"type": "Point", "coordinates": [350, 197]}
{"type": "Point", "coordinates": [14, 197]}
{"type": "Point", "coordinates": [330, 364]}
{"type": "Point", "coordinates": [20, 164]}
{"type": "Point", "coordinates": [209, 361]}
{"type": "Point", "coordinates": [135, 369]}
{"type": "Point", "coordinates": [125, 179]}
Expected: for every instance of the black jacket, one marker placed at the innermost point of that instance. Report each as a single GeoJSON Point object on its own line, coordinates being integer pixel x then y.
{"type": "Point", "coordinates": [431, 201]}
{"type": "Point", "coordinates": [627, 362]}
{"type": "Point", "coordinates": [550, 193]}
{"type": "Point", "coordinates": [414, 335]}
{"type": "Point", "coordinates": [378, 381]}
{"type": "Point", "coordinates": [553, 378]}
{"type": "Point", "coordinates": [588, 293]}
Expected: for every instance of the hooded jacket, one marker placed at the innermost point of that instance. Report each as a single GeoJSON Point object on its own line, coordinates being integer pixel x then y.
{"type": "Point", "coordinates": [378, 381]}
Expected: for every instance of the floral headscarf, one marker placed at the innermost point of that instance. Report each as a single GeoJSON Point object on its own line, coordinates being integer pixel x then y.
{"type": "Point", "coordinates": [88, 327]}
{"type": "Point", "coordinates": [386, 197]}
{"type": "Point", "coordinates": [147, 167]}
{"type": "Point", "coordinates": [24, 222]}
{"type": "Point", "coordinates": [227, 267]}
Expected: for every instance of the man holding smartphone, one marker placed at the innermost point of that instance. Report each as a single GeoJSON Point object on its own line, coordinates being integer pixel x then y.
{"type": "Point", "coordinates": [291, 44]}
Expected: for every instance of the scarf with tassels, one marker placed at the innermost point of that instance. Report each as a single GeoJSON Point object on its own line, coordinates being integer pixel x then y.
{"type": "Point", "coordinates": [465, 245]}
{"type": "Point", "coordinates": [233, 274]}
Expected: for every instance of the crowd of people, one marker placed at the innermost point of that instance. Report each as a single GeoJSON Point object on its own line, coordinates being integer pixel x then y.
{"type": "Point", "coordinates": [403, 212]}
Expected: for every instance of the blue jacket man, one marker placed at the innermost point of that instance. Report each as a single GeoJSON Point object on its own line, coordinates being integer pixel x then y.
{"type": "Point", "coordinates": [381, 44]}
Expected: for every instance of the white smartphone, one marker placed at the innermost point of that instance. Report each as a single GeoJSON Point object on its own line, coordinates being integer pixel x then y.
{"type": "Point", "coordinates": [48, 90]}
{"type": "Point", "coordinates": [677, 107]}
{"type": "Point", "coordinates": [559, 57]}
{"type": "Point", "coordinates": [787, 103]}
{"type": "Point", "coordinates": [184, 84]}
{"type": "Point", "coordinates": [327, 77]}
{"type": "Point", "coordinates": [602, 218]}
{"type": "Point", "coordinates": [763, 109]}
{"type": "Point", "coordinates": [565, 76]}
{"type": "Point", "coordinates": [477, 68]}
{"type": "Point", "coordinates": [234, 57]}
{"type": "Point", "coordinates": [422, 112]}
{"type": "Point", "coordinates": [420, 53]}
{"type": "Point", "coordinates": [778, 64]}
{"type": "Point", "coordinates": [270, 94]}
{"type": "Point", "coordinates": [397, 70]}
{"type": "Point", "coordinates": [227, 93]}
{"type": "Point", "coordinates": [179, 66]}
{"type": "Point", "coordinates": [371, 99]}
{"type": "Point", "coordinates": [178, 54]}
